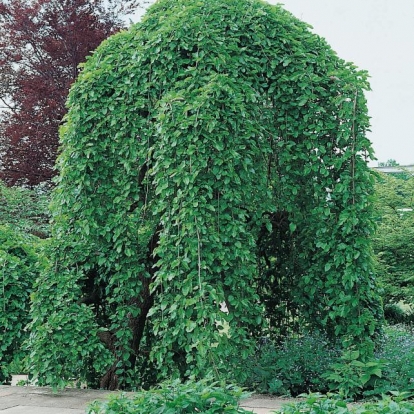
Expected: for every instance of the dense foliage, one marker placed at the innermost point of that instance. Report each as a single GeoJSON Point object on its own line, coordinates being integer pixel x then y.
{"type": "Point", "coordinates": [310, 363]}
{"type": "Point", "coordinates": [396, 350]}
{"type": "Point", "coordinates": [318, 404]}
{"type": "Point", "coordinates": [393, 240]}
{"type": "Point", "coordinates": [23, 219]}
{"type": "Point", "coordinates": [41, 46]}
{"type": "Point", "coordinates": [176, 398]}
{"type": "Point", "coordinates": [213, 154]}
{"type": "Point", "coordinates": [293, 367]}
{"type": "Point", "coordinates": [19, 267]}
{"type": "Point", "coordinates": [25, 210]}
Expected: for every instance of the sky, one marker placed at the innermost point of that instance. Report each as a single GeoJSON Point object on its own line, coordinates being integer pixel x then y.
{"type": "Point", "coordinates": [378, 36]}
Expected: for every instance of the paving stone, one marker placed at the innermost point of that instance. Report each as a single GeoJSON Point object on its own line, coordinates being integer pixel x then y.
{"type": "Point", "coordinates": [23, 409]}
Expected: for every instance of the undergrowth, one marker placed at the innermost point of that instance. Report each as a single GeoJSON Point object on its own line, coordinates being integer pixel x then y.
{"type": "Point", "coordinates": [319, 404]}
{"type": "Point", "coordinates": [311, 363]}
{"type": "Point", "coordinates": [176, 398]}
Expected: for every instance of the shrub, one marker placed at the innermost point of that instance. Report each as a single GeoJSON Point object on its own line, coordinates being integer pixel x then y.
{"type": "Point", "coordinates": [396, 348]}
{"type": "Point", "coordinates": [293, 367]}
{"type": "Point", "coordinates": [350, 376]}
{"type": "Point", "coordinates": [318, 404]}
{"type": "Point", "coordinates": [312, 364]}
{"type": "Point", "coordinates": [19, 267]}
{"type": "Point", "coordinates": [175, 398]}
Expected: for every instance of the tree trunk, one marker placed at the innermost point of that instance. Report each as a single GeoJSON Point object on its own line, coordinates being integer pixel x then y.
{"type": "Point", "coordinates": [144, 302]}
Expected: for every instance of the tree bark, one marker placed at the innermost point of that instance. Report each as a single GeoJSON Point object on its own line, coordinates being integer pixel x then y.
{"type": "Point", "coordinates": [144, 302]}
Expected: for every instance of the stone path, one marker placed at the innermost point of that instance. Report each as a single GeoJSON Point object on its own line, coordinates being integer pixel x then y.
{"type": "Point", "coordinates": [36, 400]}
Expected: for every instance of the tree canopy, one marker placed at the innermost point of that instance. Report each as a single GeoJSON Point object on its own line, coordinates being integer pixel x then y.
{"type": "Point", "coordinates": [213, 153]}
{"type": "Point", "coordinates": [41, 46]}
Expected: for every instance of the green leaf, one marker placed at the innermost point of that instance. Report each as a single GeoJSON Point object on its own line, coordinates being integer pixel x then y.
{"type": "Point", "coordinates": [303, 101]}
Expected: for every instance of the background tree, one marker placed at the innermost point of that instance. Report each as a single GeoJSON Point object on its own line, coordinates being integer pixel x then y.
{"type": "Point", "coordinates": [394, 238]}
{"type": "Point", "coordinates": [215, 152]}
{"type": "Point", "coordinates": [388, 163]}
{"type": "Point", "coordinates": [41, 46]}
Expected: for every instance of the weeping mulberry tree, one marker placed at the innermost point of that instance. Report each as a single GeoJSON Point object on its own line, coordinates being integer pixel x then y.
{"type": "Point", "coordinates": [213, 154]}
